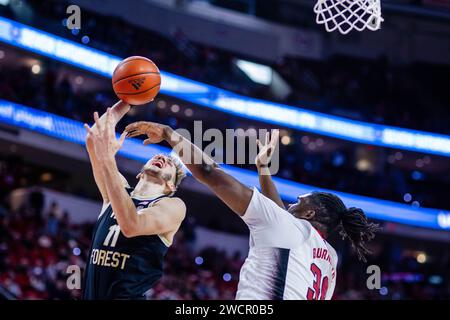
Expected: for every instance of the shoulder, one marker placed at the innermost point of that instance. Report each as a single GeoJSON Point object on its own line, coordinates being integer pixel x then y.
{"type": "Point", "coordinates": [259, 200]}
{"type": "Point", "coordinates": [262, 212]}
{"type": "Point", "coordinates": [174, 205]}
{"type": "Point", "coordinates": [306, 229]}
{"type": "Point", "coordinates": [172, 201]}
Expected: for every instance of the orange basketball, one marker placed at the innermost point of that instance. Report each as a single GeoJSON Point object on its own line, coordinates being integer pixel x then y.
{"type": "Point", "coordinates": [136, 80]}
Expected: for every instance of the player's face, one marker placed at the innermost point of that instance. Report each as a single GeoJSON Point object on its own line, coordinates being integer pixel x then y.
{"type": "Point", "coordinates": [301, 207]}
{"type": "Point", "coordinates": [160, 166]}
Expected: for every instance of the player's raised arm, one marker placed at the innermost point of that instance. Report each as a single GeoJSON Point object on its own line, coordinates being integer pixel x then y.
{"type": "Point", "coordinates": [118, 111]}
{"type": "Point", "coordinates": [262, 161]}
{"type": "Point", "coordinates": [233, 193]}
{"type": "Point", "coordinates": [105, 146]}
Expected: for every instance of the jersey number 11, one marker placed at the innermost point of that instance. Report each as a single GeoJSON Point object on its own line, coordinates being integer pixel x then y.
{"type": "Point", "coordinates": [113, 235]}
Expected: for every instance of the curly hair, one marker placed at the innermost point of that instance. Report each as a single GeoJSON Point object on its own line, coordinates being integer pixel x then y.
{"type": "Point", "coordinates": [352, 223]}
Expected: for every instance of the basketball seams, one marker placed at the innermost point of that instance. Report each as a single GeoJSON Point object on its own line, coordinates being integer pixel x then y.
{"type": "Point", "coordinates": [135, 93]}
{"type": "Point", "coordinates": [133, 75]}
{"type": "Point", "coordinates": [122, 63]}
{"type": "Point", "coordinates": [135, 59]}
{"type": "Point", "coordinates": [142, 73]}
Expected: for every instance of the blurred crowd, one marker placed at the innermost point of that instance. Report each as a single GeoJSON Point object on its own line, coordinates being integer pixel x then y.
{"type": "Point", "coordinates": [35, 254]}
{"type": "Point", "coordinates": [412, 96]}
{"type": "Point", "coordinates": [55, 92]}
{"type": "Point", "coordinates": [39, 243]}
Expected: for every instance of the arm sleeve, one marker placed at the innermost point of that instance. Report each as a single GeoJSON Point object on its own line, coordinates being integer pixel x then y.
{"type": "Point", "coordinates": [273, 226]}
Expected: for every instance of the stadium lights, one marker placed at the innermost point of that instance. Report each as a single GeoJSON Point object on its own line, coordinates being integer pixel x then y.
{"type": "Point", "coordinates": [444, 220]}
{"type": "Point", "coordinates": [36, 69]}
{"type": "Point", "coordinates": [407, 197]}
{"type": "Point", "coordinates": [258, 73]}
{"type": "Point", "coordinates": [421, 257]}
{"type": "Point", "coordinates": [285, 140]}
{"type": "Point", "coordinates": [203, 95]}
{"type": "Point", "coordinates": [188, 112]}
{"type": "Point", "coordinates": [73, 131]}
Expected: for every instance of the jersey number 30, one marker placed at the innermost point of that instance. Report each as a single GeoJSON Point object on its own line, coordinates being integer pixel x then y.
{"type": "Point", "coordinates": [320, 285]}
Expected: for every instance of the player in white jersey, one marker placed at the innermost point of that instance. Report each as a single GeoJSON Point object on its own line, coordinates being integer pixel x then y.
{"type": "Point", "coordinates": [289, 256]}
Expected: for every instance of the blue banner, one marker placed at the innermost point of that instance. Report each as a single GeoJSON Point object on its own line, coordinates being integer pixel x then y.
{"type": "Point", "coordinates": [201, 94]}
{"type": "Point", "coordinates": [73, 131]}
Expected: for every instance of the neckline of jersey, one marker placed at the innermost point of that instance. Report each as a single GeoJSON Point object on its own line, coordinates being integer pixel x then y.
{"type": "Point", "coordinates": [147, 197]}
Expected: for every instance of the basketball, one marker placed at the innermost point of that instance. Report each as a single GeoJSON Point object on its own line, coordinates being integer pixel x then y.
{"type": "Point", "coordinates": [136, 80]}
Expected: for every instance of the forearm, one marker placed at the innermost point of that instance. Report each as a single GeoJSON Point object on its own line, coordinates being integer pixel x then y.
{"type": "Point", "coordinates": [198, 162]}
{"type": "Point", "coordinates": [121, 203]}
{"type": "Point", "coordinates": [118, 111]}
{"type": "Point", "coordinates": [233, 193]}
{"type": "Point", "coordinates": [98, 178]}
{"type": "Point", "coordinates": [268, 188]}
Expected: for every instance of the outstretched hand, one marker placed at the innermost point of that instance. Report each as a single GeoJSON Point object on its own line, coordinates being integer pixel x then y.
{"type": "Point", "coordinates": [154, 131]}
{"type": "Point", "coordinates": [102, 136]}
{"type": "Point", "coordinates": [266, 150]}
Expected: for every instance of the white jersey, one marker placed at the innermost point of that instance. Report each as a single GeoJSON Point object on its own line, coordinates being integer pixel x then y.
{"type": "Point", "coordinates": [288, 258]}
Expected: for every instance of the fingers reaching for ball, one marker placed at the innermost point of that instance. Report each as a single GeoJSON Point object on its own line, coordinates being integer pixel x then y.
{"type": "Point", "coordinates": [154, 131]}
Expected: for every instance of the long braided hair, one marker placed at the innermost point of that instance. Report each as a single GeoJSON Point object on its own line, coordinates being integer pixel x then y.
{"type": "Point", "coordinates": [351, 223]}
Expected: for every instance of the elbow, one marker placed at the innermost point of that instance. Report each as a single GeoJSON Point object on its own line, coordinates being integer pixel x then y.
{"type": "Point", "coordinates": [129, 232]}
{"type": "Point", "coordinates": [129, 229]}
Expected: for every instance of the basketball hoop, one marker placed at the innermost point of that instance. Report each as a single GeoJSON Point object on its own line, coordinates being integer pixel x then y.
{"type": "Point", "coordinates": [346, 15]}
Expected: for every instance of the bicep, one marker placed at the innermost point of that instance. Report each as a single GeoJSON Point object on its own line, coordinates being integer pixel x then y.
{"type": "Point", "coordinates": [233, 193]}
{"type": "Point", "coordinates": [165, 216]}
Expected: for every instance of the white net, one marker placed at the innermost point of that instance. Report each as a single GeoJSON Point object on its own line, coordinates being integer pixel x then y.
{"type": "Point", "coordinates": [346, 15]}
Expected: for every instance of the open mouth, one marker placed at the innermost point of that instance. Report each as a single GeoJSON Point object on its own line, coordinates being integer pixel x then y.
{"type": "Point", "coordinates": [158, 164]}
